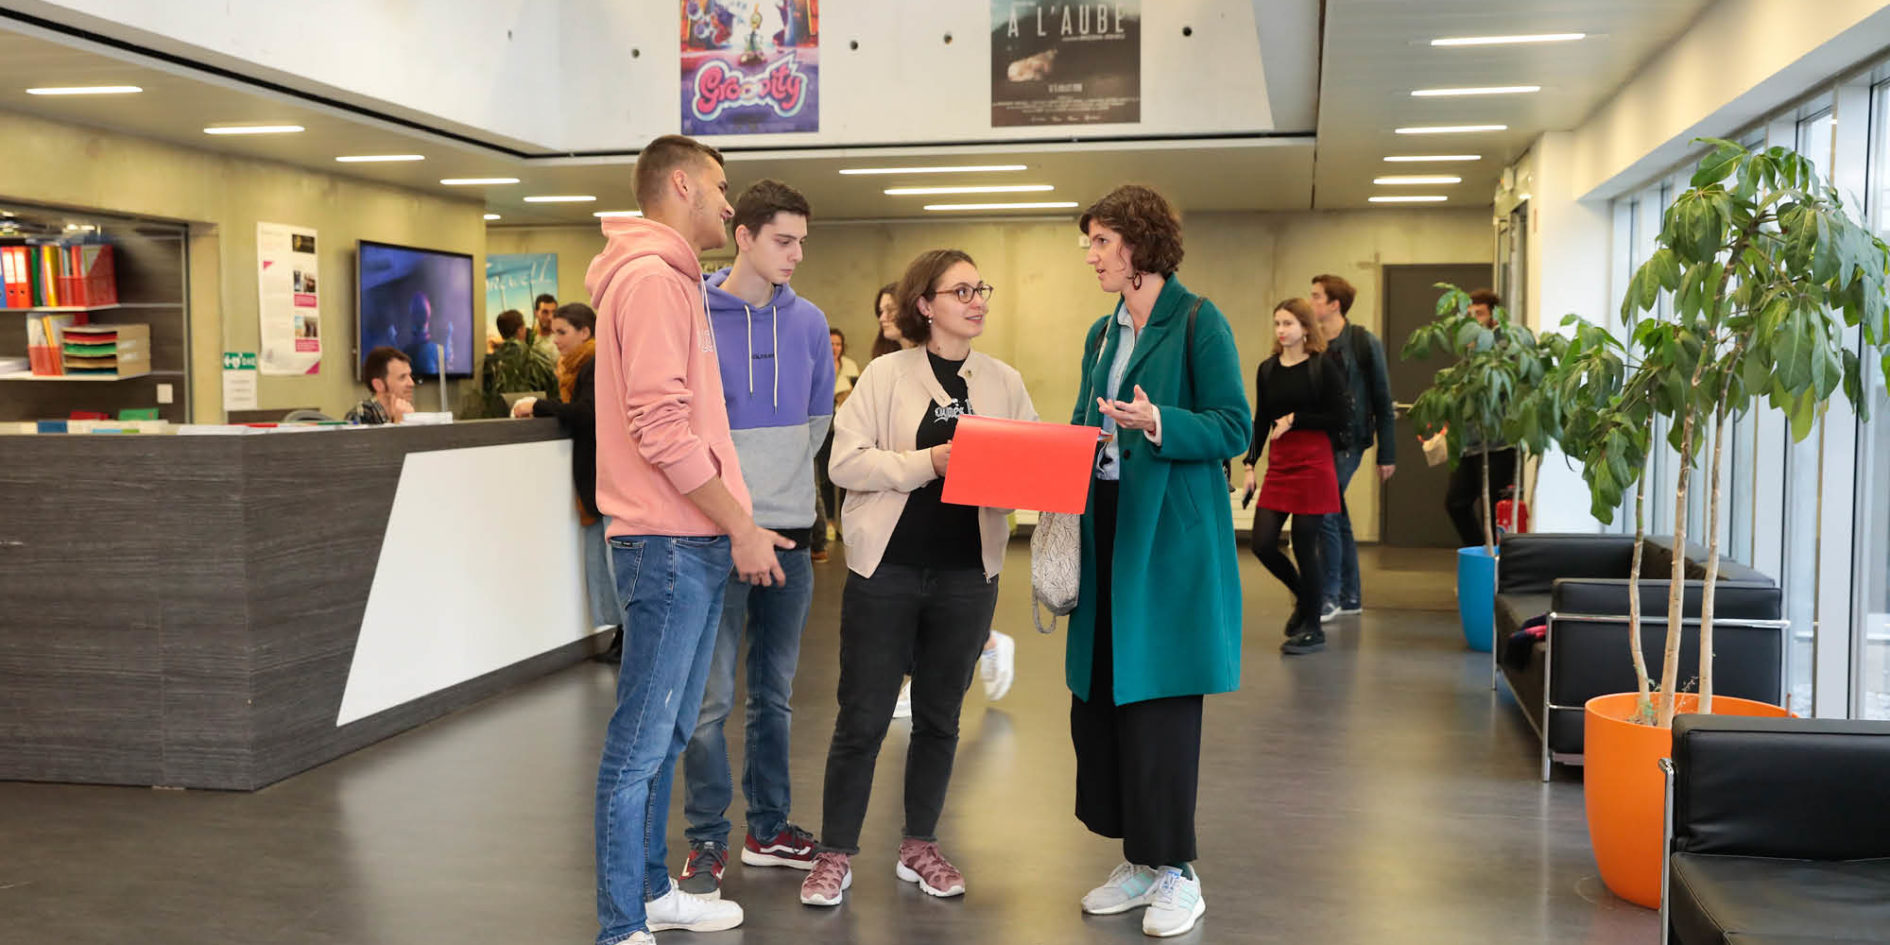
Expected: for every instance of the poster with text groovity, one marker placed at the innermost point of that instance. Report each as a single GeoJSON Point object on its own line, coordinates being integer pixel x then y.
{"type": "Point", "coordinates": [1065, 63]}
{"type": "Point", "coordinates": [750, 67]}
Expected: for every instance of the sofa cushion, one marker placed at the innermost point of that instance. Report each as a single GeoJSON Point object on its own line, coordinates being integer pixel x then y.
{"type": "Point", "coordinates": [1514, 610]}
{"type": "Point", "coordinates": [1729, 899]}
{"type": "Point", "coordinates": [1531, 562]}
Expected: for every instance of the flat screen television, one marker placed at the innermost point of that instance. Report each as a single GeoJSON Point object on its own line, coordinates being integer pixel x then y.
{"type": "Point", "coordinates": [415, 299]}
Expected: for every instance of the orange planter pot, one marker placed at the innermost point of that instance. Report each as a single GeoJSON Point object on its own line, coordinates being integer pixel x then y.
{"type": "Point", "coordinates": [1626, 792]}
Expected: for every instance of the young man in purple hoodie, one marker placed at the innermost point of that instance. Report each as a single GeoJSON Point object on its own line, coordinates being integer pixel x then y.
{"type": "Point", "coordinates": [669, 479]}
{"type": "Point", "coordinates": [777, 380]}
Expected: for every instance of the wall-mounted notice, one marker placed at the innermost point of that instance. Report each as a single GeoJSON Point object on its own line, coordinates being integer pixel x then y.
{"type": "Point", "coordinates": [239, 380]}
{"type": "Point", "coordinates": [288, 296]}
{"type": "Point", "coordinates": [750, 67]}
{"type": "Point", "coordinates": [1065, 63]}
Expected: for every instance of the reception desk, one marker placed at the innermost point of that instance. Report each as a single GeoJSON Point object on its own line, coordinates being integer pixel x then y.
{"type": "Point", "coordinates": [226, 611]}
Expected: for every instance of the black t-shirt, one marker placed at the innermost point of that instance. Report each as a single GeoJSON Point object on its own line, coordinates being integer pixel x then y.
{"type": "Point", "coordinates": [930, 533]}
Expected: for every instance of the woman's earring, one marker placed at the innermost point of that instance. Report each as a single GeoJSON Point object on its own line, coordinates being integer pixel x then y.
{"type": "Point", "coordinates": [1135, 281]}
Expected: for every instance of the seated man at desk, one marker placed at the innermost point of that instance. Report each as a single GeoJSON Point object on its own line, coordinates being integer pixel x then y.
{"type": "Point", "coordinates": [389, 375]}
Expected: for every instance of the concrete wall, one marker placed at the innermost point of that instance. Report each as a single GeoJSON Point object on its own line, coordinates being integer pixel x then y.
{"type": "Point", "coordinates": [223, 198]}
{"type": "Point", "coordinates": [1046, 298]}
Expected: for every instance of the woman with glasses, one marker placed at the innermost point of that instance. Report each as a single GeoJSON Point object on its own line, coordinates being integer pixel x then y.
{"type": "Point", "coordinates": [1157, 620]}
{"type": "Point", "coordinates": [923, 581]}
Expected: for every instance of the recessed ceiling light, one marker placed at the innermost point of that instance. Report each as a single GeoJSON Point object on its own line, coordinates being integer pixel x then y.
{"type": "Point", "coordinates": [477, 181]}
{"type": "Point", "coordinates": [618, 213]}
{"type": "Point", "coordinates": [1427, 198]}
{"type": "Point", "coordinates": [86, 90]}
{"type": "Point", "coordinates": [379, 158]}
{"type": "Point", "coordinates": [1508, 40]}
{"type": "Point", "coordinates": [985, 189]}
{"type": "Point", "coordinates": [252, 129]}
{"type": "Point", "coordinates": [1418, 179]}
{"type": "Point", "coordinates": [1450, 129]}
{"type": "Point", "coordinates": [1429, 158]}
{"type": "Point", "coordinates": [492, 216]}
{"type": "Point", "coordinates": [1484, 90]}
{"type": "Point", "coordinates": [1041, 205]}
{"type": "Point", "coordinates": [963, 169]}
{"type": "Point", "coordinates": [560, 198]}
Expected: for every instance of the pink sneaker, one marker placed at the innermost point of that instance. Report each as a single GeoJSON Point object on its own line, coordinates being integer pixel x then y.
{"type": "Point", "coordinates": [829, 881]}
{"type": "Point", "coordinates": [920, 862]}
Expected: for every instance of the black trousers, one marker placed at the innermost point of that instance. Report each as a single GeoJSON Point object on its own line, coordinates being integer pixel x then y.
{"type": "Point", "coordinates": [935, 623]}
{"type": "Point", "coordinates": [1138, 766]}
{"type": "Point", "coordinates": [1307, 582]}
{"type": "Point", "coordinates": [1466, 489]}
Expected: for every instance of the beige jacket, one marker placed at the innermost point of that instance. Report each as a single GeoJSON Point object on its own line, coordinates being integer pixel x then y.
{"type": "Point", "coordinates": [875, 447]}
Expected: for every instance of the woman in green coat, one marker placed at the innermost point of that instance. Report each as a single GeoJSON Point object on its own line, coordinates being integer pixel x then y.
{"type": "Point", "coordinates": [1157, 623]}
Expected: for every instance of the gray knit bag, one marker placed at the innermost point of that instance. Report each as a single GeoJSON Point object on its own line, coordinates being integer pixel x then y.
{"type": "Point", "coordinates": [1056, 567]}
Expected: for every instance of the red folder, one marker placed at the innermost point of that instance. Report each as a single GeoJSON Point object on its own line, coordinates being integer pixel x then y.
{"type": "Point", "coordinates": [1020, 464]}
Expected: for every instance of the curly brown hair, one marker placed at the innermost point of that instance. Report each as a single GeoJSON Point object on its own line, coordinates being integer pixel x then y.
{"type": "Point", "coordinates": [1146, 221]}
{"type": "Point", "coordinates": [918, 283]}
{"type": "Point", "coordinates": [1302, 310]}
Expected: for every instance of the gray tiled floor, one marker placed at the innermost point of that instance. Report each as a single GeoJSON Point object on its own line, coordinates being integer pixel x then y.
{"type": "Point", "coordinates": [1377, 792]}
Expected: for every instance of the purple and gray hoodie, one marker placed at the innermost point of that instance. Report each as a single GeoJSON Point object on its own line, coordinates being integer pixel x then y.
{"type": "Point", "coordinates": [777, 378]}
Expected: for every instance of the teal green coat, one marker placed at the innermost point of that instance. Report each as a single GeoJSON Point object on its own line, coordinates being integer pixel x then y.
{"type": "Point", "coordinates": [1176, 599]}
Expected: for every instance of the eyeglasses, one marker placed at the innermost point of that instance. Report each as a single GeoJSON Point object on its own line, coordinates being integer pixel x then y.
{"type": "Point", "coordinates": [964, 292]}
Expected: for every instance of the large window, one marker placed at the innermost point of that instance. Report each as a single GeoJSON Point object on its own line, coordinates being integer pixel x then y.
{"type": "Point", "coordinates": [1872, 576]}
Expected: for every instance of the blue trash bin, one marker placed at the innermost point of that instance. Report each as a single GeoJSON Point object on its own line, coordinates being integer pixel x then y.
{"type": "Point", "coordinates": [1476, 597]}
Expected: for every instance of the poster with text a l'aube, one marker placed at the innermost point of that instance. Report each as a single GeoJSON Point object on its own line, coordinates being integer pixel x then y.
{"type": "Point", "coordinates": [750, 67]}
{"type": "Point", "coordinates": [289, 297]}
{"type": "Point", "coordinates": [1065, 63]}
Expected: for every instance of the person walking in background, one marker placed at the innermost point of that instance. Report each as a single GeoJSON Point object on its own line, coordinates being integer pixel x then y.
{"type": "Point", "coordinates": [1466, 481]}
{"type": "Point", "coordinates": [573, 330]}
{"type": "Point", "coordinates": [922, 581]}
{"type": "Point", "coordinates": [827, 499]}
{"type": "Point", "coordinates": [1299, 403]}
{"type": "Point", "coordinates": [885, 308]}
{"type": "Point", "coordinates": [1157, 622]}
{"type": "Point", "coordinates": [669, 479]}
{"type": "Point", "coordinates": [542, 337]}
{"type": "Point", "coordinates": [514, 368]}
{"type": "Point", "coordinates": [1368, 385]}
{"type": "Point", "coordinates": [777, 369]}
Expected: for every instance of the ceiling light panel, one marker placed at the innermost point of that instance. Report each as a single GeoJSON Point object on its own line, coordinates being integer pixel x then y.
{"type": "Point", "coordinates": [477, 181]}
{"type": "Point", "coordinates": [1405, 179]}
{"type": "Point", "coordinates": [86, 90]}
{"type": "Point", "coordinates": [1414, 198]}
{"type": "Point", "coordinates": [1479, 90]}
{"type": "Point", "coordinates": [253, 129]}
{"type": "Point", "coordinates": [1450, 129]}
{"type": "Point", "coordinates": [492, 216]}
{"type": "Point", "coordinates": [1430, 158]}
{"type": "Point", "coordinates": [982, 189]}
{"type": "Point", "coordinates": [379, 158]}
{"type": "Point", "coordinates": [1037, 205]}
{"type": "Point", "coordinates": [560, 198]}
{"type": "Point", "coordinates": [961, 169]}
{"type": "Point", "coordinates": [1526, 39]}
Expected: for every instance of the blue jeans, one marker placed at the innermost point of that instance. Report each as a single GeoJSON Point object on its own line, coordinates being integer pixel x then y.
{"type": "Point", "coordinates": [1339, 551]}
{"type": "Point", "coordinates": [671, 590]}
{"type": "Point", "coordinates": [599, 583]}
{"type": "Point", "coordinates": [772, 618]}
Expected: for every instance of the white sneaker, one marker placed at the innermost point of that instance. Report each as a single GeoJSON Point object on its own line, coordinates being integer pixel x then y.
{"type": "Point", "coordinates": [1128, 887]}
{"type": "Point", "coordinates": [903, 708]}
{"type": "Point", "coordinates": [680, 910]}
{"type": "Point", "coordinates": [637, 938]}
{"type": "Point", "coordinates": [997, 665]}
{"type": "Point", "coordinates": [1178, 905]}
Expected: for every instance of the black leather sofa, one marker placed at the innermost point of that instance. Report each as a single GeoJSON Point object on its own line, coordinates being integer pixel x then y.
{"type": "Point", "coordinates": [1580, 583]}
{"type": "Point", "coordinates": [1777, 832]}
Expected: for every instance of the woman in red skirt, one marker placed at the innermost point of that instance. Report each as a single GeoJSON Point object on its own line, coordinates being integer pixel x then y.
{"type": "Point", "coordinates": [1299, 400]}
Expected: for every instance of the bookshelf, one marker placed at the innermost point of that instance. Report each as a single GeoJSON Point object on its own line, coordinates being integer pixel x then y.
{"type": "Point", "coordinates": [151, 262]}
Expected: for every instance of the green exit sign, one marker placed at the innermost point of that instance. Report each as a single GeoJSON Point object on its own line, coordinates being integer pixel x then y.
{"type": "Point", "coordinates": [239, 360]}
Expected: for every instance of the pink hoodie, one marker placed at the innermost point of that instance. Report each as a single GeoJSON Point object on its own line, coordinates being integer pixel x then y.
{"type": "Point", "coordinates": [662, 427]}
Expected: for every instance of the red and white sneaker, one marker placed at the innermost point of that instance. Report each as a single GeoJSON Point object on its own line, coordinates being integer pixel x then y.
{"type": "Point", "coordinates": [702, 874]}
{"type": "Point", "coordinates": [792, 848]}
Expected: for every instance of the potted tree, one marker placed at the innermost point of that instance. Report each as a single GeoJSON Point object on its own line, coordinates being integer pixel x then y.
{"type": "Point", "coordinates": [1482, 398]}
{"type": "Point", "coordinates": [1766, 271]}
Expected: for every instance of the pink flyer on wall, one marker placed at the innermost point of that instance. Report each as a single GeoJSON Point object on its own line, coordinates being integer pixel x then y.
{"type": "Point", "coordinates": [288, 291]}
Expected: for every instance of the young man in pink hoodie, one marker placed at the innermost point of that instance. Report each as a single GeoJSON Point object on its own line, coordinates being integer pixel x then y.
{"type": "Point", "coordinates": [681, 521]}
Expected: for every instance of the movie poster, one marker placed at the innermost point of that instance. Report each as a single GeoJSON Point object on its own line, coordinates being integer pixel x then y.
{"type": "Point", "coordinates": [1065, 63]}
{"type": "Point", "coordinates": [288, 295]}
{"type": "Point", "coordinates": [750, 67]}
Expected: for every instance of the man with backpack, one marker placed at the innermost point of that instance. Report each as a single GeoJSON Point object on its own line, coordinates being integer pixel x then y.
{"type": "Point", "coordinates": [1369, 383]}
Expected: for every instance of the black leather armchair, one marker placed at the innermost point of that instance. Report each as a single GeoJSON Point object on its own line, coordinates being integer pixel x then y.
{"type": "Point", "coordinates": [1778, 831]}
{"type": "Point", "coordinates": [1580, 583]}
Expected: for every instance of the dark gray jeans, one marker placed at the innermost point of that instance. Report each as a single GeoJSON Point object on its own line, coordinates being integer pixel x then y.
{"type": "Point", "coordinates": [935, 623]}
